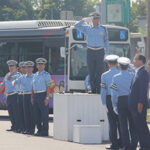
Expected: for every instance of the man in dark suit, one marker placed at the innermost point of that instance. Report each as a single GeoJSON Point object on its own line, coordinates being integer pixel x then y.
{"type": "Point", "coordinates": [138, 101]}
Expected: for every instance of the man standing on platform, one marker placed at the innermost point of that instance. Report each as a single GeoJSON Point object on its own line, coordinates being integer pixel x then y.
{"type": "Point", "coordinates": [97, 48]}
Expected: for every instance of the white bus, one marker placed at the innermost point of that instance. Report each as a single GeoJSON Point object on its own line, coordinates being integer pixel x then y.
{"type": "Point", "coordinates": [28, 40]}
{"type": "Point", "coordinates": [119, 40]}
{"type": "Point", "coordinates": [137, 44]}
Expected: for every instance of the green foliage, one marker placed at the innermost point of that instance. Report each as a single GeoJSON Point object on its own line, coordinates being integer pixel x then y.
{"type": "Point", "coordinates": [43, 9]}
{"type": "Point", "coordinates": [50, 9]}
{"type": "Point", "coordinates": [139, 9]}
{"type": "Point", "coordinates": [16, 10]}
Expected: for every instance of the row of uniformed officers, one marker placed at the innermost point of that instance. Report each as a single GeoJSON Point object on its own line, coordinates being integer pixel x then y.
{"type": "Point", "coordinates": [124, 93]}
{"type": "Point", "coordinates": [28, 97]}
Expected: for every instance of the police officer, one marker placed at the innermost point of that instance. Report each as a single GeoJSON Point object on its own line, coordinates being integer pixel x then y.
{"type": "Point", "coordinates": [120, 90]}
{"type": "Point", "coordinates": [17, 82]}
{"type": "Point", "coordinates": [41, 89]}
{"type": "Point", "coordinates": [106, 81]}
{"type": "Point", "coordinates": [97, 45]}
{"type": "Point", "coordinates": [12, 94]}
{"type": "Point", "coordinates": [26, 84]}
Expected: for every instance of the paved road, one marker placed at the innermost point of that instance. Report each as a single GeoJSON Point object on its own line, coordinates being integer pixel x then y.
{"type": "Point", "coordinates": [14, 141]}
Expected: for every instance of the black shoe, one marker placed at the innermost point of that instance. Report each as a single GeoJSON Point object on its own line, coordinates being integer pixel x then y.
{"type": "Point", "coordinates": [112, 148]}
{"type": "Point", "coordinates": [25, 132]}
{"type": "Point", "coordinates": [41, 134]}
{"type": "Point", "coordinates": [9, 130]}
{"type": "Point", "coordinates": [31, 133]}
{"type": "Point", "coordinates": [37, 134]}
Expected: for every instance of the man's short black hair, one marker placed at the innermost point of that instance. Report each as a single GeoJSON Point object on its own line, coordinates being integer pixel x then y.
{"type": "Point", "coordinates": [112, 62]}
{"type": "Point", "coordinates": [123, 67]}
{"type": "Point", "coordinates": [141, 58]}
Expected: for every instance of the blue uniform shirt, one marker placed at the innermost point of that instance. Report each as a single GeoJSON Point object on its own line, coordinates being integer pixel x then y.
{"type": "Point", "coordinates": [25, 82]}
{"type": "Point", "coordinates": [19, 84]}
{"type": "Point", "coordinates": [95, 36]}
{"type": "Point", "coordinates": [41, 81]}
{"type": "Point", "coordinates": [87, 83]}
{"type": "Point", "coordinates": [106, 81]}
{"type": "Point", "coordinates": [8, 83]}
{"type": "Point", "coordinates": [121, 84]}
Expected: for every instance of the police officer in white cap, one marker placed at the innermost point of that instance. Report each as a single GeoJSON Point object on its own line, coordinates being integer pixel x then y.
{"type": "Point", "coordinates": [11, 92]}
{"type": "Point", "coordinates": [41, 89]}
{"type": "Point", "coordinates": [97, 47]}
{"type": "Point", "coordinates": [106, 81]}
{"type": "Point", "coordinates": [120, 90]}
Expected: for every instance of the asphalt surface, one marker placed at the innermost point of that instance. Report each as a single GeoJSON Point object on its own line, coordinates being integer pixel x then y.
{"type": "Point", "coordinates": [15, 141]}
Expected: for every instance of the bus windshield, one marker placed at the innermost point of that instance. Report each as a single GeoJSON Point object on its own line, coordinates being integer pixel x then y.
{"type": "Point", "coordinates": [78, 66]}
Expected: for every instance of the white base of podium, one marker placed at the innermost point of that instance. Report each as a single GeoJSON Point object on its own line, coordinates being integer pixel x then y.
{"type": "Point", "coordinates": [78, 109]}
{"type": "Point", "coordinates": [87, 134]}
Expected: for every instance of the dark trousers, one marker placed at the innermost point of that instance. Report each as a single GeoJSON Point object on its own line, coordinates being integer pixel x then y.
{"type": "Point", "coordinates": [41, 113]}
{"type": "Point", "coordinates": [13, 111]}
{"type": "Point", "coordinates": [114, 126]}
{"type": "Point", "coordinates": [128, 133]}
{"type": "Point", "coordinates": [95, 62]}
{"type": "Point", "coordinates": [21, 113]}
{"type": "Point", "coordinates": [142, 128]}
{"type": "Point", "coordinates": [28, 113]}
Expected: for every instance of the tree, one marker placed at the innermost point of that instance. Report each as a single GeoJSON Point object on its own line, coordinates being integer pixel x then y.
{"type": "Point", "coordinates": [138, 9]}
{"type": "Point", "coordinates": [50, 9]}
{"type": "Point", "coordinates": [16, 10]}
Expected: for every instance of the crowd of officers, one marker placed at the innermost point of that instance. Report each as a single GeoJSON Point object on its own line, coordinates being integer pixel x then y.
{"type": "Point", "coordinates": [124, 94]}
{"type": "Point", "coordinates": [28, 97]}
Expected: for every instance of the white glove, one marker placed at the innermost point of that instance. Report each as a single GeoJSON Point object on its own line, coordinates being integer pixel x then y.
{"type": "Point", "coordinates": [88, 19]}
{"type": "Point", "coordinates": [115, 110]}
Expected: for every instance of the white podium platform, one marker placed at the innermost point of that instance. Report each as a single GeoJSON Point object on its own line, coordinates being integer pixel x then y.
{"type": "Point", "coordinates": [78, 109]}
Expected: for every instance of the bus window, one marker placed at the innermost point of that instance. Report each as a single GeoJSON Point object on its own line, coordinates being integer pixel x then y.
{"type": "Point", "coordinates": [8, 50]}
{"type": "Point", "coordinates": [122, 50]}
{"type": "Point", "coordinates": [78, 66]}
{"type": "Point", "coordinates": [30, 50]}
{"type": "Point", "coordinates": [56, 62]}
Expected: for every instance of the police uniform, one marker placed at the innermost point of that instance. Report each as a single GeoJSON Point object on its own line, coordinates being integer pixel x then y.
{"type": "Point", "coordinates": [106, 81]}
{"type": "Point", "coordinates": [26, 84]}
{"type": "Point", "coordinates": [20, 100]}
{"type": "Point", "coordinates": [97, 47]}
{"type": "Point", "coordinates": [120, 89]}
{"type": "Point", "coordinates": [41, 81]}
{"type": "Point", "coordinates": [11, 92]}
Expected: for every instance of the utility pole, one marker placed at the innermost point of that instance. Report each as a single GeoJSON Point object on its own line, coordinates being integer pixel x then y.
{"type": "Point", "coordinates": [148, 29]}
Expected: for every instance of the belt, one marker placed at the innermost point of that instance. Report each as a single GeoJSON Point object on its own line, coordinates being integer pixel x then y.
{"type": "Point", "coordinates": [36, 92]}
{"type": "Point", "coordinates": [13, 93]}
{"type": "Point", "coordinates": [27, 92]}
{"type": "Point", "coordinates": [20, 93]}
{"type": "Point", "coordinates": [95, 48]}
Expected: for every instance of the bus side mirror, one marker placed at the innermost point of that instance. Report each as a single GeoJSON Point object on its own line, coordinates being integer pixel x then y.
{"type": "Point", "coordinates": [63, 52]}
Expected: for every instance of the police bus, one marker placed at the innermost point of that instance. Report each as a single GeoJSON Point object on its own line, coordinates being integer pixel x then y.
{"type": "Point", "coordinates": [60, 43]}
